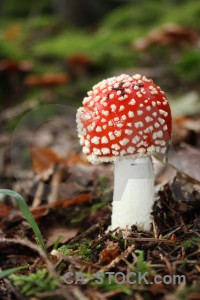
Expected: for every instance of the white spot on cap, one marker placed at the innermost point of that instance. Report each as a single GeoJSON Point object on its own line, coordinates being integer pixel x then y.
{"type": "Point", "coordinates": [105, 151]}
{"type": "Point", "coordinates": [131, 150]}
{"type": "Point", "coordinates": [156, 125]}
{"type": "Point", "coordinates": [136, 139]}
{"type": "Point", "coordinates": [124, 142]}
{"type": "Point", "coordinates": [96, 151]}
{"type": "Point", "coordinates": [117, 133]}
{"type": "Point", "coordinates": [95, 140]}
{"type": "Point", "coordinates": [86, 150]}
{"type": "Point", "coordinates": [122, 152]}
{"type": "Point", "coordinates": [98, 129]}
{"type": "Point", "coordinates": [104, 127]}
{"type": "Point", "coordinates": [158, 102]}
{"type": "Point", "coordinates": [162, 112]}
{"type": "Point", "coordinates": [137, 76]}
{"type": "Point", "coordinates": [90, 128]}
{"type": "Point", "coordinates": [128, 131]}
{"type": "Point", "coordinates": [148, 108]}
{"type": "Point", "coordinates": [130, 114]}
{"type": "Point", "coordinates": [103, 120]}
{"type": "Point", "coordinates": [118, 93]}
{"type": "Point", "coordinates": [154, 114]}
{"type": "Point", "coordinates": [115, 152]}
{"type": "Point", "coordinates": [120, 125]}
{"type": "Point", "coordinates": [132, 102]}
{"type": "Point", "coordinates": [97, 98]}
{"type": "Point", "coordinates": [139, 124]}
{"type": "Point", "coordinates": [110, 123]}
{"type": "Point", "coordinates": [111, 136]}
{"type": "Point", "coordinates": [124, 117]}
{"type": "Point", "coordinates": [113, 107]}
{"type": "Point", "coordinates": [165, 128]}
{"type": "Point", "coordinates": [115, 146]}
{"type": "Point", "coordinates": [162, 121]}
{"type": "Point", "coordinates": [153, 103]}
{"type": "Point", "coordinates": [104, 140]}
{"type": "Point", "coordinates": [116, 119]}
{"type": "Point", "coordinates": [105, 112]}
{"type": "Point", "coordinates": [148, 119]}
{"type": "Point", "coordinates": [128, 91]}
{"type": "Point", "coordinates": [139, 112]}
{"type": "Point", "coordinates": [121, 108]}
{"type": "Point", "coordinates": [87, 143]}
{"type": "Point", "coordinates": [111, 96]}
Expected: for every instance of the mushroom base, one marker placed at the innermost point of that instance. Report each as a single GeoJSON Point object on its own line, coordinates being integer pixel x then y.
{"type": "Point", "coordinates": [133, 193]}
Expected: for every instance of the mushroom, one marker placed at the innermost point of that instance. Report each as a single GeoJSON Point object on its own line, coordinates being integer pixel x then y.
{"type": "Point", "coordinates": [125, 120]}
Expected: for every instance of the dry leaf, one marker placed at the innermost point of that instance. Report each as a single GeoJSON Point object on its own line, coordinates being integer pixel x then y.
{"type": "Point", "coordinates": [46, 80]}
{"type": "Point", "coordinates": [171, 34]}
{"type": "Point", "coordinates": [110, 253]}
{"type": "Point", "coordinates": [44, 158]}
{"type": "Point", "coordinates": [81, 198]}
{"type": "Point", "coordinates": [4, 210]}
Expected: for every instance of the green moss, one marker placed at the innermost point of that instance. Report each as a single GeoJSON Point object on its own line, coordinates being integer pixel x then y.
{"type": "Point", "coordinates": [191, 243]}
{"type": "Point", "coordinates": [34, 283]}
{"type": "Point", "coordinates": [77, 249]}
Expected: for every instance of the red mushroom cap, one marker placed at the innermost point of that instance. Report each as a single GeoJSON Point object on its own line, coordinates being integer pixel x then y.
{"type": "Point", "coordinates": [124, 116]}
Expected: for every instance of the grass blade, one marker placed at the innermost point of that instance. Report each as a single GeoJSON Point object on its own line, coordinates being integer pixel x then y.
{"type": "Point", "coordinates": [27, 214]}
{"type": "Point", "coordinates": [10, 271]}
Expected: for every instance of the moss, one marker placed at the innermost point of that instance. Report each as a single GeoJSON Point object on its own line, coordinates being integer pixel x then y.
{"type": "Point", "coordinates": [34, 283]}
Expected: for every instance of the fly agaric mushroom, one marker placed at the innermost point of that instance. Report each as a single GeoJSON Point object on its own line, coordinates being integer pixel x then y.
{"type": "Point", "coordinates": [125, 120]}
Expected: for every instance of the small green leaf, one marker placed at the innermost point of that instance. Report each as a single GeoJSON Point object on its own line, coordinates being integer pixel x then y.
{"type": "Point", "coordinates": [10, 271]}
{"type": "Point", "coordinates": [27, 214]}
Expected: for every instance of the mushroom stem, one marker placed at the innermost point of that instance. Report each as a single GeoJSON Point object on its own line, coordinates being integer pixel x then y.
{"type": "Point", "coordinates": [133, 193]}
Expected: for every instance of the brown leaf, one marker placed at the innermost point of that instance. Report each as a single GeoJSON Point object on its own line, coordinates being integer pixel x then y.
{"type": "Point", "coordinates": [81, 198]}
{"type": "Point", "coordinates": [44, 158]}
{"type": "Point", "coordinates": [46, 80]}
{"type": "Point", "coordinates": [171, 34]}
{"type": "Point", "coordinates": [4, 210]}
{"type": "Point", "coordinates": [77, 158]}
{"type": "Point", "coordinates": [52, 234]}
{"type": "Point", "coordinates": [40, 211]}
{"type": "Point", "coordinates": [110, 253]}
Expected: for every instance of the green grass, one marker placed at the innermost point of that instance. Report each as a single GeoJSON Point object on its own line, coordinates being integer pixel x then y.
{"type": "Point", "coordinates": [10, 271]}
{"type": "Point", "coordinates": [27, 214]}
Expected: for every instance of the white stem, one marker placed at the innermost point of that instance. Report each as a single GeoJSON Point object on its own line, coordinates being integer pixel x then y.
{"type": "Point", "coordinates": [133, 193]}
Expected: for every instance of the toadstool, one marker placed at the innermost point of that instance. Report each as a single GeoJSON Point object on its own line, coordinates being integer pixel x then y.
{"type": "Point", "coordinates": [125, 120]}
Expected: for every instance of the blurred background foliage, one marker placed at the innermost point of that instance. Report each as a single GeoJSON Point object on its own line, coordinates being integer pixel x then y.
{"type": "Point", "coordinates": [59, 49]}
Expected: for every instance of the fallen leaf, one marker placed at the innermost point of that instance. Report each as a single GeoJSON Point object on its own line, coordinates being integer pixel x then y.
{"type": "Point", "coordinates": [77, 158]}
{"type": "Point", "coordinates": [40, 211]}
{"type": "Point", "coordinates": [44, 158]}
{"type": "Point", "coordinates": [81, 198]}
{"type": "Point", "coordinates": [170, 34]}
{"type": "Point", "coordinates": [4, 210]}
{"type": "Point", "coordinates": [110, 253]}
{"type": "Point", "coordinates": [46, 80]}
{"type": "Point", "coordinates": [66, 233]}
